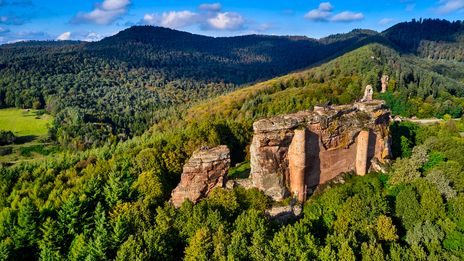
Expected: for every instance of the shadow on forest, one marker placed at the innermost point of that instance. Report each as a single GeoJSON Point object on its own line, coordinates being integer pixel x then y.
{"type": "Point", "coordinates": [25, 139]}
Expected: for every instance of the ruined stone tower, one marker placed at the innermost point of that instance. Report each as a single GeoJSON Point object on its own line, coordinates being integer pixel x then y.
{"type": "Point", "coordinates": [293, 153]}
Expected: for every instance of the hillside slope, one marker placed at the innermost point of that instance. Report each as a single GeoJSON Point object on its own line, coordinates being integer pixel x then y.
{"type": "Point", "coordinates": [118, 87]}
{"type": "Point", "coordinates": [414, 84]}
{"type": "Point", "coordinates": [112, 202]}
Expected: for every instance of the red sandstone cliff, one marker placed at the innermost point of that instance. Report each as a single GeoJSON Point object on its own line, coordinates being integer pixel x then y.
{"type": "Point", "coordinates": [295, 152]}
{"type": "Point", "coordinates": [204, 171]}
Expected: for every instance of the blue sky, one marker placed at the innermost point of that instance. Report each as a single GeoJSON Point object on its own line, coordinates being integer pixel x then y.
{"type": "Point", "coordinates": [93, 19]}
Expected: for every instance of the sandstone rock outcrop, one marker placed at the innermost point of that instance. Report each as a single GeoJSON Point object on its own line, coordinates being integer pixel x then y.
{"type": "Point", "coordinates": [385, 79]}
{"type": "Point", "coordinates": [204, 171]}
{"type": "Point", "coordinates": [362, 149]}
{"type": "Point", "coordinates": [368, 92]}
{"type": "Point", "coordinates": [292, 154]}
{"type": "Point", "coordinates": [298, 163]}
{"type": "Point", "coordinates": [283, 214]}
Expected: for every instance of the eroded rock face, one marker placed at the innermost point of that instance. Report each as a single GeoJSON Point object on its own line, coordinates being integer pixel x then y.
{"type": "Point", "coordinates": [385, 80]}
{"type": "Point", "coordinates": [325, 145]}
{"type": "Point", "coordinates": [204, 171]}
{"type": "Point", "coordinates": [368, 92]}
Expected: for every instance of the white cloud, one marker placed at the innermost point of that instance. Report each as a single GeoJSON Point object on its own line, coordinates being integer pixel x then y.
{"type": "Point", "coordinates": [449, 6]}
{"type": "Point", "coordinates": [386, 21]}
{"type": "Point", "coordinates": [64, 36]}
{"type": "Point", "coordinates": [347, 16]}
{"type": "Point", "coordinates": [179, 19]}
{"type": "Point", "coordinates": [226, 21]}
{"type": "Point", "coordinates": [150, 19]}
{"type": "Point", "coordinates": [115, 4]}
{"type": "Point", "coordinates": [325, 6]}
{"type": "Point", "coordinates": [318, 15]}
{"type": "Point", "coordinates": [92, 37]}
{"type": "Point", "coordinates": [324, 13]}
{"type": "Point", "coordinates": [172, 19]}
{"type": "Point", "coordinates": [206, 18]}
{"type": "Point", "coordinates": [216, 7]}
{"type": "Point", "coordinates": [104, 13]}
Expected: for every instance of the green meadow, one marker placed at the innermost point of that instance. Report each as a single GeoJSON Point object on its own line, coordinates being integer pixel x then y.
{"type": "Point", "coordinates": [30, 128]}
{"type": "Point", "coordinates": [24, 122]}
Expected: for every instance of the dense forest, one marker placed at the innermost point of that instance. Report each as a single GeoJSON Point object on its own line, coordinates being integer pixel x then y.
{"type": "Point", "coordinates": [110, 202]}
{"type": "Point", "coordinates": [116, 88]}
{"type": "Point", "coordinates": [430, 38]}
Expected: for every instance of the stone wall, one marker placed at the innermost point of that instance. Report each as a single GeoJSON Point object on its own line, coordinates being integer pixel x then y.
{"type": "Point", "coordinates": [295, 152]}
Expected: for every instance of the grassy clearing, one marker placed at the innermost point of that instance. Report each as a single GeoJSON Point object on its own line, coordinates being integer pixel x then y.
{"type": "Point", "coordinates": [30, 128]}
{"type": "Point", "coordinates": [24, 122]}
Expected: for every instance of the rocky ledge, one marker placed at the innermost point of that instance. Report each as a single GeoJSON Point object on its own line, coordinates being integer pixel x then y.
{"type": "Point", "coordinates": [204, 171]}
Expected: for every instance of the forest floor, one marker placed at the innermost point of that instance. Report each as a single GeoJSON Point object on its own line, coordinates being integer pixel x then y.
{"type": "Point", "coordinates": [30, 128]}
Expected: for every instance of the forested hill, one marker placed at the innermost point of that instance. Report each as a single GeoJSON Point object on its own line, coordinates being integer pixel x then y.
{"type": "Point", "coordinates": [111, 203]}
{"type": "Point", "coordinates": [118, 87]}
{"type": "Point", "coordinates": [238, 60]}
{"type": "Point", "coordinates": [435, 39]}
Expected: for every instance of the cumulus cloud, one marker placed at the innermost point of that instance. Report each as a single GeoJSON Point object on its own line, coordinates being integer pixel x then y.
{"type": "Point", "coordinates": [216, 7]}
{"type": "Point", "coordinates": [347, 16]}
{"type": "Point", "coordinates": [150, 19]}
{"type": "Point", "coordinates": [326, 6]}
{"type": "Point", "coordinates": [449, 6]}
{"type": "Point", "coordinates": [324, 13]}
{"type": "Point", "coordinates": [226, 21]}
{"type": "Point", "coordinates": [172, 19]}
{"type": "Point", "coordinates": [318, 15]}
{"type": "Point", "coordinates": [180, 19]}
{"type": "Point", "coordinates": [64, 36]}
{"type": "Point", "coordinates": [209, 17]}
{"type": "Point", "coordinates": [104, 13]}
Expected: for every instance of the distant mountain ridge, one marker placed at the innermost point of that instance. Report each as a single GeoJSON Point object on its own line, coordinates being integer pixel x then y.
{"type": "Point", "coordinates": [118, 87]}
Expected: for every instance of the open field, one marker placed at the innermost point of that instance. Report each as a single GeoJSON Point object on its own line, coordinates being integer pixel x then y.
{"type": "Point", "coordinates": [30, 128]}
{"type": "Point", "coordinates": [24, 122]}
